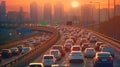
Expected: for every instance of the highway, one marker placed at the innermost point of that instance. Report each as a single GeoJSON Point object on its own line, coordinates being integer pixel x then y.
{"type": "Point", "coordinates": [88, 62]}
{"type": "Point", "coordinates": [36, 40]}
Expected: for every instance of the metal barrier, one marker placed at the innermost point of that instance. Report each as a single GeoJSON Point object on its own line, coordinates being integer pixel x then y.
{"type": "Point", "coordinates": [25, 59]}
{"type": "Point", "coordinates": [113, 42]}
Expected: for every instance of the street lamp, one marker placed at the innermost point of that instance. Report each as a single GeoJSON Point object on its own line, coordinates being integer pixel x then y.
{"type": "Point", "coordinates": [114, 8]}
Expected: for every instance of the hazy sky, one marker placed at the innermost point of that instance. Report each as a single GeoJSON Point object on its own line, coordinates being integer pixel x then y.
{"type": "Point", "coordinates": [15, 4]}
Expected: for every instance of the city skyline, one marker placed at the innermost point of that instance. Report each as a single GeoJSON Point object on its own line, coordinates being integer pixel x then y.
{"type": "Point", "coordinates": [67, 4]}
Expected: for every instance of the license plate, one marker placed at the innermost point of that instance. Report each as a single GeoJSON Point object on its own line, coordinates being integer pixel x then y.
{"type": "Point", "coordinates": [104, 59]}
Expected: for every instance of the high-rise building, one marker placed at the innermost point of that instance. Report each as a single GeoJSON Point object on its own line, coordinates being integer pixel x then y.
{"type": "Point", "coordinates": [40, 14]}
{"type": "Point", "coordinates": [117, 10]}
{"type": "Point", "coordinates": [2, 11]}
{"type": "Point", "coordinates": [58, 12]}
{"type": "Point", "coordinates": [47, 13]}
{"type": "Point", "coordinates": [86, 14]}
{"type": "Point", "coordinates": [34, 12]}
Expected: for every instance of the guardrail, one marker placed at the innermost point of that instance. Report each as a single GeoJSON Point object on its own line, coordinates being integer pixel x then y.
{"type": "Point", "coordinates": [113, 42]}
{"type": "Point", "coordinates": [25, 59]}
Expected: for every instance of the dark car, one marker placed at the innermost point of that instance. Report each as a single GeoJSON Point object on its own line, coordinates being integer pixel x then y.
{"type": "Point", "coordinates": [20, 47]}
{"type": "Point", "coordinates": [60, 48]}
{"type": "Point", "coordinates": [84, 46]}
{"type": "Point", "coordinates": [15, 51]}
{"type": "Point", "coordinates": [97, 45]}
{"type": "Point", "coordinates": [6, 53]}
{"type": "Point", "coordinates": [103, 59]}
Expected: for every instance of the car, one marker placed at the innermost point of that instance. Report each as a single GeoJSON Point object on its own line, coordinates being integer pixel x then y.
{"type": "Point", "coordinates": [84, 46]}
{"type": "Point", "coordinates": [83, 40]}
{"type": "Point", "coordinates": [15, 51]}
{"type": "Point", "coordinates": [108, 49]}
{"type": "Point", "coordinates": [56, 54]}
{"type": "Point", "coordinates": [26, 50]}
{"type": "Point", "coordinates": [48, 60]}
{"type": "Point", "coordinates": [101, 46]}
{"type": "Point", "coordinates": [20, 47]}
{"type": "Point", "coordinates": [70, 41]}
{"type": "Point", "coordinates": [36, 65]}
{"type": "Point", "coordinates": [60, 48]}
{"type": "Point", "coordinates": [97, 45]}
{"type": "Point", "coordinates": [103, 59]}
{"type": "Point", "coordinates": [57, 65]}
{"type": "Point", "coordinates": [76, 56]}
{"type": "Point", "coordinates": [75, 48]}
{"type": "Point", "coordinates": [89, 52]}
{"type": "Point", "coordinates": [67, 46]}
{"type": "Point", "coordinates": [6, 53]}
{"type": "Point", "coordinates": [93, 39]}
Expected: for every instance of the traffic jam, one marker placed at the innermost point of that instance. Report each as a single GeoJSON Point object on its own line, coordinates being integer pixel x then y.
{"type": "Point", "coordinates": [79, 47]}
{"type": "Point", "coordinates": [26, 46]}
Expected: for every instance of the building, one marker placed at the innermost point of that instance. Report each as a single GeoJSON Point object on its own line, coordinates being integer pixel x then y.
{"type": "Point", "coordinates": [47, 13]}
{"type": "Point", "coordinates": [40, 14]}
{"type": "Point", "coordinates": [34, 12]}
{"type": "Point", "coordinates": [86, 14]}
{"type": "Point", "coordinates": [117, 10]}
{"type": "Point", "coordinates": [58, 12]}
{"type": "Point", "coordinates": [3, 11]}
{"type": "Point", "coordinates": [104, 14]}
{"type": "Point", "coordinates": [12, 17]}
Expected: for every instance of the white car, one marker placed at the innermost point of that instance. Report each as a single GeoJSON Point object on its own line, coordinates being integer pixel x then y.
{"type": "Point", "coordinates": [89, 52]}
{"type": "Point", "coordinates": [56, 54]}
{"type": "Point", "coordinates": [26, 50]}
{"type": "Point", "coordinates": [76, 56]}
{"type": "Point", "coordinates": [36, 65]}
{"type": "Point", "coordinates": [75, 48]}
{"type": "Point", "coordinates": [48, 60]}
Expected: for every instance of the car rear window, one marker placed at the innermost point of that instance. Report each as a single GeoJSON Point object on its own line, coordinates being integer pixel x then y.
{"type": "Point", "coordinates": [76, 48]}
{"type": "Point", "coordinates": [35, 66]}
{"type": "Point", "coordinates": [5, 50]}
{"type": "Point", "coordinates": [103, 55]}
{"type": "Point", "coordinates": [48, 57]}
{"type": "Point", "coordinates": [57, 47]}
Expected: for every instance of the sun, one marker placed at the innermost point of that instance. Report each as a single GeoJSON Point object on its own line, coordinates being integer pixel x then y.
{"type": "Point", "coordinates": [75, 4]}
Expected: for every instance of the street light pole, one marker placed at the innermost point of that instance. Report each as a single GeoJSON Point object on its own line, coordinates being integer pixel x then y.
{"type": "Point", "coordinates": [108, 9]}
{"type": "Point", "coordinates": [114, 8]}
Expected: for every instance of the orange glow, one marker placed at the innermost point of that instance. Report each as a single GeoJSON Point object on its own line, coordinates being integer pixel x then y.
{"type": "Point", "coordinates": [15, 4]}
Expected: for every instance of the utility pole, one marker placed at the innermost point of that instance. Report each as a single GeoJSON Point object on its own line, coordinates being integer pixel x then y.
{"type": "Point", "coordinates": [108, 9]}
{"type": "Point", "coordinates": [114, 8]}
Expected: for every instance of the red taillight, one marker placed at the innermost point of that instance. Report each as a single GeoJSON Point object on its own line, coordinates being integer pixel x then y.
{"type": "Point", "coordinates": [111, 58]}
{"type": "Point", "coordinates": [97, 58]}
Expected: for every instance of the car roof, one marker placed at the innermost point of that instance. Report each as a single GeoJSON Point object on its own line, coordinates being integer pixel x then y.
{"type": "Point", "coordinates": [103, 53]}
{"type": "Point", "coordinates": [54, 50]}
{"type": "Point", "coordinates": [76, 51]}
{"type": "Point", "coordinates": [35, 64]}
{"type": "Point", "coordinates": [48, 55]}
